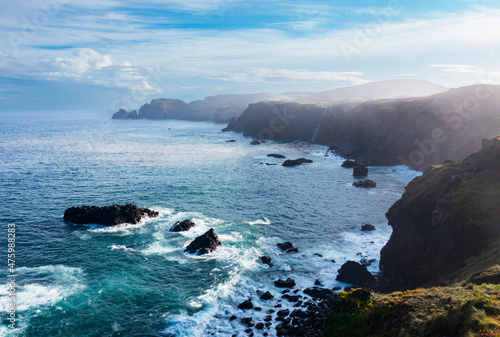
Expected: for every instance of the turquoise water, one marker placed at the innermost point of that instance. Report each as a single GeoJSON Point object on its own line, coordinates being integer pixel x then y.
{"type": "Point", "coordinates": [84, 281]}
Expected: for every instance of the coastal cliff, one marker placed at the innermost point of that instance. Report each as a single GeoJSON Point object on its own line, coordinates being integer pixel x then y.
{"type": "Point", "coordinates": [417, 132]}
{"type": "Point", "coordinates": [444, 221]}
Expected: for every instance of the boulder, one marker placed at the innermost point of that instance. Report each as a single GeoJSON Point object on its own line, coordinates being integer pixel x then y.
{"type": "Point", "coordinates": [360, 171]}
{"type": "Point", "coordinates": [204, 244]}
{"type": "Point", "coordinates": [288, 283]}
{"type": "Point", "coordinates": [267, 296]}
{"type": "Point", "coordinates": [367, 227]}
{"type": "Point", "coordinates": [287, 247]}
{"type": "Point", "coordinates": [356, 274]}
{"type": "Point", "coordinates": [266, 260]}
{"type": "Point", "coordinates": [246, 305]}
{"type": "Point", "coordinates": [349, 164]}
{"type": "Point", "coordinates": [365, 183]}
{"type": "Point", "coordinates": [296, 162]}
{"type": "Point", "coordinates": [107, 215]}
{"type": "Point", "coordinates": [275, 155]}
{"type": "Point", "coordinates": [321, 293]}
{"type": "Point", "coordinates": [255, 142]}
{"type": "Point", "coordinates": [182, 226]}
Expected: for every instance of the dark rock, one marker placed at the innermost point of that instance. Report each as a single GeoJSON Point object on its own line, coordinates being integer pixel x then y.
{"type": "Point", "coordinates": [287, 247]}
{"type": "Point", "coordinates": [246, 305]}
{"type": "Point", "coordinates": [275, 155]}
{"type": "Point", "coordinates": [232, 318]}
{"type": "Point", "coordinates": [182, 226]}
{"type": "Point", "coordinates": [318, 283]}
{"type": "Point", "coordinates": [204, 244]}
{"type": "Point", "coordinates": [255, 142]}
{"type": "Point", "coordinates": [248, 330]}
{"type": "Point", "coordinates": [288, 283]}
{"type": "Point", "coordinates": [257, 309]}
{"type": "Point", "coordinates": [365, 183]}
{"type": "Point", "coordinates": [356, 274]}
{"type": "Point", "coordinates": [270, 311]}
{"type": "Point", "coordinates": [283, 313]}
{"type": "Point", "coordinates": [230, 141]}
{"type": "Point", "coordinates": [367, 228]}
{"type": "Point", "coordinates": [259, 326]}
{"type": "Point", "coordinates": [285, 291]}
{"type": "Point", "coordinates": [296, 162]}
{"type": "Point", "coordinates": [349, 164]}
{"type": "Point", "coordinates": [321, 293]}
{"type": "Point", "coordinates": [319, 255]}
{"type": "Point", "coordinates": [268, 318]}
{"type": "Point", "coordinates": [247, 321]}
{"type": "Point", "coordinates": [107, 215]}
{"type": "Point", "coordinates": [293, 299]}
{"type": "Point", "coordinates": [362, 294]}
{"type": "Point", "coordinates": [360, 171]}
{"type": "Point", "coordinates": [337, 288]}
{"type": "Point", "coordinates": [266, 260]}
{"type": "Point", "coordinates": [267, 296]}
{"type": "Point", "coordinates": [299, 313]}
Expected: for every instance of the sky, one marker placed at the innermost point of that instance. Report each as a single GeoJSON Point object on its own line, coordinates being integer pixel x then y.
{"type": "Point", "coordinates": [110, 54]}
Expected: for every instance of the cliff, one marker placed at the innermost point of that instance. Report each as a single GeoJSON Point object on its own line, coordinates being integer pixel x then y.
{"type": "Point", "coordinates": [446, 226]}
{"type": "Point", "coordinates": [417, 132]}
{"type": "Point", "coordinates": [222, 108]}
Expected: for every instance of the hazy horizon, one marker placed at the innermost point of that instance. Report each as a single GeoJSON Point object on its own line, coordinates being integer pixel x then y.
{"type": "Point", "coordinates": [86, 55]}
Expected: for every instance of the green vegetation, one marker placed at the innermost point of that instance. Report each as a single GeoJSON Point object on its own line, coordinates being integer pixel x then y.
{"type": "Point", "coordinates": [462, 310]}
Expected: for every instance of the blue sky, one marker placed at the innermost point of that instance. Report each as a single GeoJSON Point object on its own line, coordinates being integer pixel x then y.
{"type": "Point", "coordinates": [89, 54]}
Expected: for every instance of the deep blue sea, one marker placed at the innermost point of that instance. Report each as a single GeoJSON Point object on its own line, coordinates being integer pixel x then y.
{"type": "Point", "coordinates": [135, 280]}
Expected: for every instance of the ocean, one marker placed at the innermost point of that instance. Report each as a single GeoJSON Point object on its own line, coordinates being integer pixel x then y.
{"type": "Point", "coordinates": [135, 280]}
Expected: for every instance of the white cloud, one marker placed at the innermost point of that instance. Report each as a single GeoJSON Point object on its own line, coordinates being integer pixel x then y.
{"type": "Point", "coordinates": [460, 68]}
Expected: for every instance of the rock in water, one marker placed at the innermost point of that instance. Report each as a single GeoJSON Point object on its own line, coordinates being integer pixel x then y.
{"type": "Point", "coordinates": [287, 247]}
{"type": "Point", "coordinates": [255, 142]}
{"type": "Point", "coordinates": [275, 155]}
{"type": "Point", "coordinates": [367, 228]}
{"type": "Point", "coordinates": [266, 260]}
{"type": "Point", "coordinates": [356, 274]}
{"type": "Point", "coordinates": [182, 226]}
{"type": "Point", "coordinates": [360, 171]}
{"type": "Point", "coordinates": [288, 283]}
{"type": "Point", "coordinates": [296, 162]}
{"type": "Point", "coordinates": [246, 305]}
{"type": "Point", "coordinates": [204, 244]}
{"type": "Point", "coordinates": [349, 164]}
{"type": "Point", "coordinates": [267, 296]}
{"type": "Point", "coordinates": [365, 184]}
{"type": "Point", "coordinates": [107, 215]}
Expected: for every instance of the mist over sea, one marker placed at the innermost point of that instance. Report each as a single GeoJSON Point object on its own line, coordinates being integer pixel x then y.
{"type": "Point", "coordinates": [135, 280]}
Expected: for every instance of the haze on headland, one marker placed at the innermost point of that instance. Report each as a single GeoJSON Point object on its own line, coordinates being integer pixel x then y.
{"type": "Point", "coordinates": [81, 55]}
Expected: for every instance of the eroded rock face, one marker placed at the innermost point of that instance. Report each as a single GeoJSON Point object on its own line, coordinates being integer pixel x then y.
{"type": "Point", "coordinates": [204, 244]}
{"type": "Point", "coordinates": [107, 215]}
{"type": "Point", "coordinates": [448, 215]}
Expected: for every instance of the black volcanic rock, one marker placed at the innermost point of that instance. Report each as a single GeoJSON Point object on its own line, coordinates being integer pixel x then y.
{"type": "Point", "coordinates": [360, 171]}
{"type": "Point", "coordinates": [275, 155]}
{"type": "Point", "coordinates": [356, 274]}
{"type": "Point", "coordinates": [182, 226]}
{"type": "Point", "coordinates": [365, 184]}
{"type": "Point", "coordinates": [447, 218]}
{"type": "Point", "coordinates": [367, 227]}
{"type": "Point", "coordinates": [204, 244]}
{"type": "Point", "coordinates": [296, 162]}
{"type": "Point", "coordinates": [267, 296]}
{"type": "Point", "coordinates": [255, 142]}
{"type": "Point", "coordinates": [349, 164]}
{"type": "Point", "coordinates": [245, 305]}
{"type": "Point", "coordinates": [321, 293]}
{"type": "Point", "coordinates": [288, 283]}
{"type": "Point", "coordinates": [266, 260]}
{"type": "Point", "coordinates": [107, 215]}
{"type": "Point", "coordinates": [287, 247]}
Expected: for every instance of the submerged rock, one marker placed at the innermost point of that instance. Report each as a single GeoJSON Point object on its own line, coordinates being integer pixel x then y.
{"type": "Point", "coordinates": [365, 184]}
{"type": "Point", "coordinates": [204, 244]}
{"type": "Point", "coordinates": [360, 171]}
{"type": "Point", "coordinates": [107, 215]}
{"type": "Point", "coordinates": [182, 226]}
{"type": "Point", "coordinates": [356, 274]}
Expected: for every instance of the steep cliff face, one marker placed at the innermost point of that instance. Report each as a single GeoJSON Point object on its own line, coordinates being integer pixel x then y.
{"type": "Point", "coordinates": [446, 218]}
{"type": "Point", "coordinates": [417, 132]}
{"type": "Point", "coordinates": [162, 108]}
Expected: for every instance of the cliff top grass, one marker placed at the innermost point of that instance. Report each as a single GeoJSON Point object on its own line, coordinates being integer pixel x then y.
{"type": "Point", "coordinates": [462, 310]}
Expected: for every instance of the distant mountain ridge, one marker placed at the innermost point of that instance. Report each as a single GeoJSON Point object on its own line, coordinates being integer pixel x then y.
{"type": "Point", "coordinates": [222, 108]}
{"type": "Point", "coordinates": [417, 132]}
